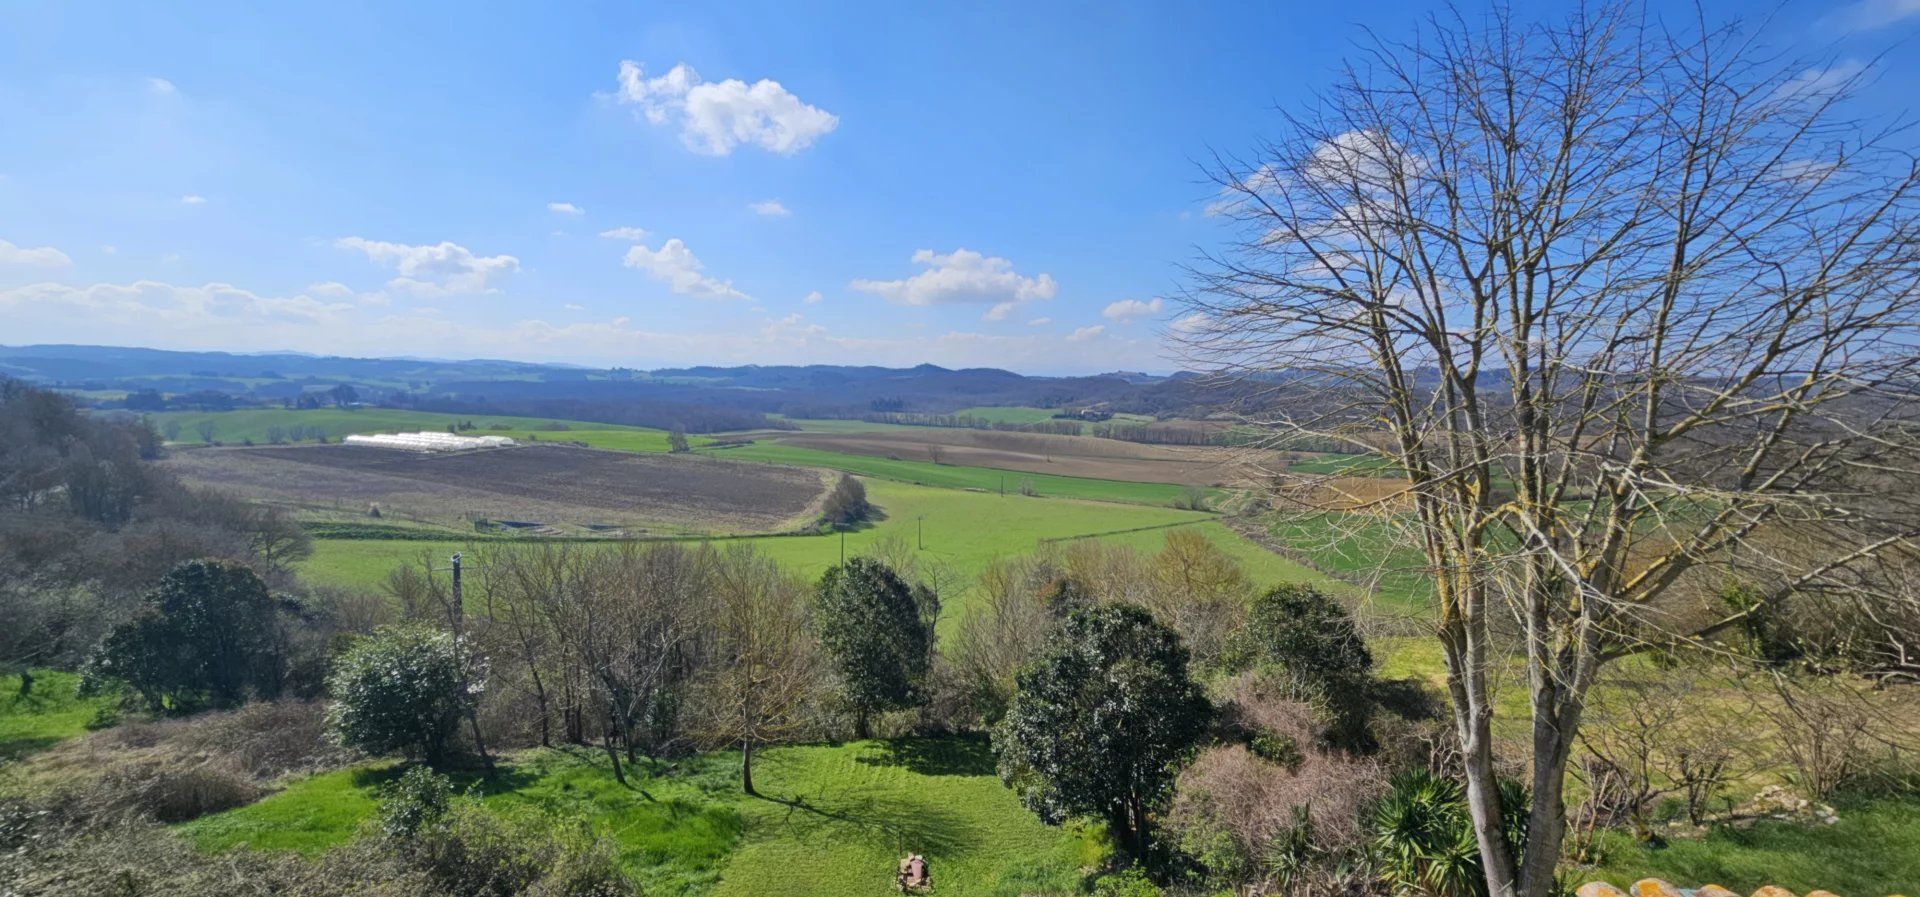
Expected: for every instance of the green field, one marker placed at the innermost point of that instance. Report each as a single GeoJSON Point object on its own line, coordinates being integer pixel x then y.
{"type": "Point", "coordinates": [834, 819]}
{"type": "Point", "coordinates": [252, 423]}
{"type": "Point", "coordinates": [54, 712]}
{"type": "Point", "coordinates": [954, 476]}
{"type": "Point", "coordinates": [1009, 414]}
{"type": "Point", "coordinates": [963, 530]}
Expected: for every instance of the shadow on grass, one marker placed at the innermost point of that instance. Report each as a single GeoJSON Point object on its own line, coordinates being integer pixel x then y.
{"type": "Point", "coordinates": [960, 755]}
{"type": "Point", "coordinates": [903, 823]}
{"type": "Point", "coordinates": [20, 748]}
{"type": "Point", "coordinates": [506, 777]}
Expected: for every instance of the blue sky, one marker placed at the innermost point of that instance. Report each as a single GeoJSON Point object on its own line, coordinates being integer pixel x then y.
{"type": "Point", "coordinates": [972, 184]}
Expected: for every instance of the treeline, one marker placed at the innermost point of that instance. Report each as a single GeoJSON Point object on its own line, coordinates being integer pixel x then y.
{"type": "Point", "coordinates": [967, 422]}
{"type": "Point", "coordinates": [87, 525]}
{"type": "Point", "coordinates": [632, 412]}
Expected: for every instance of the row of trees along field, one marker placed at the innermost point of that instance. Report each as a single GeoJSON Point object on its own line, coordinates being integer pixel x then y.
{"type": "Point", "coordinates": [1651, 274]}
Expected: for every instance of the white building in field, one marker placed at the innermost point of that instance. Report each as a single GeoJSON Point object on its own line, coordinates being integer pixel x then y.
{"type": "Point", "coordinates": [428, 441]}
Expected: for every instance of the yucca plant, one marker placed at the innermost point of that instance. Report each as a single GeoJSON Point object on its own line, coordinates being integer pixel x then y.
{"type": "Point", "coordinates": [1423, 842]}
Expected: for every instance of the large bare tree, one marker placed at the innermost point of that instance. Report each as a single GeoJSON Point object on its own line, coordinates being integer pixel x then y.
{"type": "Point", "coordinates": [1611, 297]}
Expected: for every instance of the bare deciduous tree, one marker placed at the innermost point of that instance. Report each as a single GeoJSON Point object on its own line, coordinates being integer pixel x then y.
{"type": "Point", "coordinates": [1619, 297]}
{"type": "Point", "coordinates": [763, 658]}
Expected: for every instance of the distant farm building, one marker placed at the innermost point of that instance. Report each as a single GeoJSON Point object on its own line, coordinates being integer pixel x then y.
{"type": "Point", "coordinates": [428, 441]}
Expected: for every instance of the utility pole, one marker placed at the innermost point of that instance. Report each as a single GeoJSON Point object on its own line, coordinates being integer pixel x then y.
{"type": "Point", "coordinates": [458, 613]}
{"type": "Point", "coordinates": [920, 532]}
{"type": "Point", "coordinates": [843, 546]}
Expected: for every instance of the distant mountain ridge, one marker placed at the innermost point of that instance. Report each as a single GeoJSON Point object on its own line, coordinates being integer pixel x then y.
{"type": "Point", "coordinates": [477, 385]}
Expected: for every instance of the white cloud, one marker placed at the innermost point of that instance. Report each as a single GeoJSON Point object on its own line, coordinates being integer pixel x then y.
{"type": "Point", "coordinates": [193, 199]}
{"type": "Point", "coordinates": [1192, 323]}
{"type": "Point", "coordinates": [770, 208]}
{"type": "Point", "coordinates": [109, 249]}
{"type": "Point", "coordinates": [1084, 334]}
{"type": "Point", "coordinates": [37, 257]}
{"type": "Point", "coordinates": [630, 234]}
{"type": "Point", "coordinates": [999, 312]}
{"type": "Point", "coordinates": [961, 276]}
{"type": "Point", "coordinates": [161, 86]}
{"type": "Point", "coordinates": [440, 269]}
{"type": "Point", "coordinates": [574, 306]}
{"type": "Point", "coordinates": [331, 289]}
{"type": "Point", "coordinates": [1869, 14]}
{"type": "Point", "coordinates": [675, 265]}
{"type": "Point", "coordinates": [715, 117]}
{"type": "Point", "coordinates": [565, 208]}
{"type": "Point", "coordinates": [1039, 322]}
{"type": "Point", "coordinates": [218, 316]}
{"type": "Point", "coordinates": [813, 298]}
{"type": "Point", "coordinates": [1127, 310]}
{"type": "Point", "coordinates": [1815, 83]}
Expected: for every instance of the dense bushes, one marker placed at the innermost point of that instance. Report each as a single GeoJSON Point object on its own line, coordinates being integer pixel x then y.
{"type": "Point", "coordinates": [208, 636]}
{"type": "Point", "coordinates": [847, 504]}
{"type": "Point", "coordinates": [874, 632]}
{"type": "Point", "coordinates": [1100, 721]}
{"type": "Point", "coordinates": [401, 690]}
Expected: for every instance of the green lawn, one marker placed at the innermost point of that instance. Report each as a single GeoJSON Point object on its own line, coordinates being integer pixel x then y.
{"type": "Point", "coordinates": [252, 423]}
{"type": "Point", "coordinates": [965, 530]}
{"type": "Point", "coordinates": [1874, 849]}
{"type": "Point", "coordinates": [53, 713]}
{"type": "Point", "coordinates": [955, 476]}
{"type": "Point", "coordinates": [833, 820]}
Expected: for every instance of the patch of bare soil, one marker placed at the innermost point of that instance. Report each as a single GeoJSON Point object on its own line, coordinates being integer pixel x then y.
{"type": "Point", "coordinates": [1079, 456]}
{"type": "Point", "coordinates": [548, 484]}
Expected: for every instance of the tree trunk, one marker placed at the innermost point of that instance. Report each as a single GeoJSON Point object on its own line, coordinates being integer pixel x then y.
{"type": "Point", "coordinates": [26, 682]}
{"type": "Point", "coordinates": [862, 728]}
{"type": "Point", "coordinates": [613, 757]}
{"type": "Point", "coordinates": [746, 766]}
{"type": "Point", "coordinates": [1473, 714]}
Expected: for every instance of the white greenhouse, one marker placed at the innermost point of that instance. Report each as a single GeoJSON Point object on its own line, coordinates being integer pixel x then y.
{"type": "Point", "coordinates": [428, 441]}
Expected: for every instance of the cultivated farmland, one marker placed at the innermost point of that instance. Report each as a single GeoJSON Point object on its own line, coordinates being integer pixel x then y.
{"type": "Point", "coordinates": [1074, 456]}
{"type": "Point", "coordinates": [558, 487]}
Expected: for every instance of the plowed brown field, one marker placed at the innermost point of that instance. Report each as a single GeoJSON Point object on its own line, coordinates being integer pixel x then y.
{"type": "Point", "coordinates": [549, 484]}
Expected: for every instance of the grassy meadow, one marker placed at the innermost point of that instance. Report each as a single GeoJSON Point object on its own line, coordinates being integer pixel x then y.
{"type": "Point", "coordinates": [833, 819]}
{"type": "Point", "coordinates": [962, 530]}
{"type": "Point", "coordinates": [52, 713]}
{"type": "Point", "coordinates": [953, 476]}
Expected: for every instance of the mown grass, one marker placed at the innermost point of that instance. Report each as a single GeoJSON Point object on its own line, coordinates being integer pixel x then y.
{"type": "Point", "coordinates": [53, 712]}
{"type": "Point", "coordinates": [953, 476]}
{"type": "Point", "coordinates": [833, 820]}
{"type": "Point", "coordinates": [1873, 850]}
{"type": "Point", "coordinates": [253, 423]}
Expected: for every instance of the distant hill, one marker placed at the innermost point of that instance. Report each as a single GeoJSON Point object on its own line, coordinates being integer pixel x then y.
{"type": "Point", "coordinates": [725, 397]}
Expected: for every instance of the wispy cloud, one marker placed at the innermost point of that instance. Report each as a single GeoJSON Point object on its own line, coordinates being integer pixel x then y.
{"type": "Point", "coordinates": [770, 208]}
{"type": "Point", "coordinates": [35, 257]}
{"type": "Point", "coordinates": [565, 208]}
